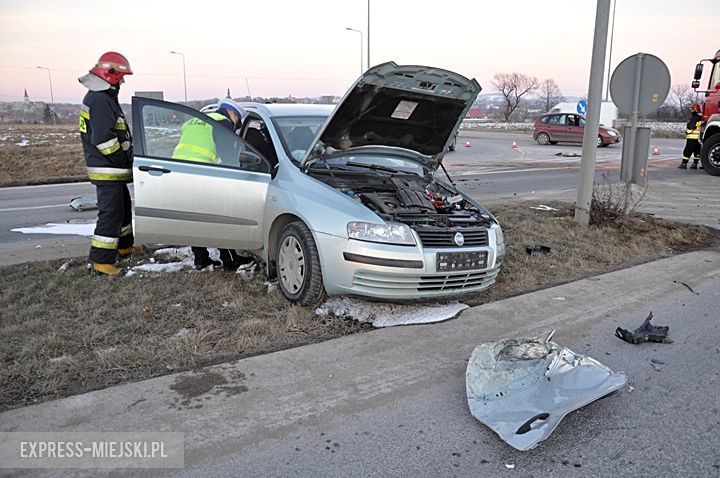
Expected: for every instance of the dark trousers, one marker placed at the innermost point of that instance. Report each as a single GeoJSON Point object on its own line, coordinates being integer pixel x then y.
{"type": "Point", "coordinates": [692, 148]}
{"type": "Point", "coordinates": [114, 224]}
{"type": "Point", "coordinates": [202, 256]}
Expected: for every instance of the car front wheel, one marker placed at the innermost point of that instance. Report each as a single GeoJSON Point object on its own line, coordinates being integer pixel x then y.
{"type": "Point", "coordinates": [298, 266]}
{"type": "Point", "coordinates": [600, 141]}
{"type": "Point", "coordinates": [543, 138]}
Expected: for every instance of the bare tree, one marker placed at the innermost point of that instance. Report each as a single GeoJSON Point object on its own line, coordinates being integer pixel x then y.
{"type": "Point", "coordinates": [682, 96]}
{"type": "Point", "coordinates": [513, 86]}
{"type": "Point", "coordinates": [550, 93]}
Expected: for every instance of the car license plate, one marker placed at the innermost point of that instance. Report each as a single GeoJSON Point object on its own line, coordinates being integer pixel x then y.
{"type": "Point", "coordinates": [461, 261]}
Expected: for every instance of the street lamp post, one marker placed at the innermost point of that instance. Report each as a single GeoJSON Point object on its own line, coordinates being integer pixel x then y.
{"type": "Point", "coordinates": [361, 47]}
{"type": "Point", "coordinates": [368, 33]}
{"type": "Point", "coordinates": [184, 75]}
{"type": "Point", "coordinates": [52, 98]}
{"type": "Point", "coordinates": [612, 34]}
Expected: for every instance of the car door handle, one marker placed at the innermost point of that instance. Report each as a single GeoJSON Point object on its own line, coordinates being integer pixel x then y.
{"type": "Point", "coordinates": [154, 169]}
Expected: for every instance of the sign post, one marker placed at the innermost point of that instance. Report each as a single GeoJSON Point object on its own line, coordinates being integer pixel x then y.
{"type": "Point", "coordinates": [639, 86]}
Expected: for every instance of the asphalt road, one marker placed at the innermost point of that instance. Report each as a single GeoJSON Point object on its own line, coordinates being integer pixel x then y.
{"type": "Point", "coordinates": [488, 169]}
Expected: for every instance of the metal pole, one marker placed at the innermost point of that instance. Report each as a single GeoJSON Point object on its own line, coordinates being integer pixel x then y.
{"type": "Point", "coordinates": [592, 118]}
{"type": "Point", "coordinates": [247, 83]}
{"type": "Point", "coordinates": [368, 39]}
{"type": "Point", "coordinates": [361, 47]}
{"type": "Point", "coordinates": [612, 34]}
{"type": "Point", "coordinates": [633, 132]}
{"type": "Point", "coordinates": [52, 98]}
{"type": "Point", "coordinates": [184, 75]}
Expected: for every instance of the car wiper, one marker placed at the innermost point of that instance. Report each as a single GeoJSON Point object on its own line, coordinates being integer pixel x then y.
{"type": "Point", "coordinates": [372, 166]}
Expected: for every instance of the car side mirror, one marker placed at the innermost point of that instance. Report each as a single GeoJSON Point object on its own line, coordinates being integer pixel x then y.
{"type": "Point", "coordinates": [698, 71]}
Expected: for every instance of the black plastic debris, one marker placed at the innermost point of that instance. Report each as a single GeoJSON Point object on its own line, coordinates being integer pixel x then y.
{"type": "Point", "coordinates": [645, 333]}
{"type": "Point", "coordinates": [542, 250]}
{"type": "Point", "coordinates": [569, 155]}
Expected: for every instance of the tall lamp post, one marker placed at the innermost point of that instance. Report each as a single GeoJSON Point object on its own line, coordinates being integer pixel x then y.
{"type": "Point", "coordinates": [368, 30]}
{"type": "Point", "coordinates": [52, 99]}
{"type": "Point", "coordinates": [361, 47]}
{"type": "Point", "coordinates": [612, 34]}
{"type": "Point", "coordinates": [184, 75]}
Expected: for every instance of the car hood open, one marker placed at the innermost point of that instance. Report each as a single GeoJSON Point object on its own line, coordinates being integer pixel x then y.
{"type": "Point", "coordinates": [411, 107]}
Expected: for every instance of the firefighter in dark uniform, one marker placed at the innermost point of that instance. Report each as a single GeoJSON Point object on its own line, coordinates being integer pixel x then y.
{"type": "Point", "coordinates": [107, 146]}
{"type": "Point", "coordinates": [197, 143]}
{"type": "Point", "coordinates": [692, 138]}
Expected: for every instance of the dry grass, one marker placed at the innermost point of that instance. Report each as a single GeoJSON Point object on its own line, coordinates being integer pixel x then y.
{"type": "Point", "coordinates": [66, 333]}
{"type": "Point", "coordinates": [52, 154]}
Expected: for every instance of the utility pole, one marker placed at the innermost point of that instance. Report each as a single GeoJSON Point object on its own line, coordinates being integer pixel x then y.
{"type": "Point", "coordinates": [592, 118]}
{"type": "Point", "coordinates": [612, 35]}
{"type": "Point", "coordinates": [368, 35]}
{"type": "Point", "coordinates": [52, 98]}
{"type": "Point", "coordinates": [184, 75]}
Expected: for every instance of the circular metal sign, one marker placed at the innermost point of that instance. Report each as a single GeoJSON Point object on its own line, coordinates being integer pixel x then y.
{"type": "Point", "coordinates": [654, 83]}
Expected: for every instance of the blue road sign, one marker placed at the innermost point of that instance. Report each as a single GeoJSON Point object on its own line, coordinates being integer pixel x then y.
{"type": "Point", "coordinates": [582, 107]}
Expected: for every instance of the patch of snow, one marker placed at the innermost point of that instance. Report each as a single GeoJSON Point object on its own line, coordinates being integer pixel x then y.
{"type": "Point", "coordinates": [182, 333]}
{"type": "Point", "coordinates": [247, 271]}
{"type": "Point", "coordinates": [167, 267]}
{"type": "Point", "coordinates": [61, 359]}
{"type": "Point", "coordinates": [388, 315]}
{"type": "Point", "coordinates": [64, 229]}
{"type": "Point", "coordinates": [543, 207]}
{"type": "Point", "coordinates": [183, 253]}
{"type": "Point", "coordinates": [24, 142]}
{"type": "Point", "coordinates": [271, 285]}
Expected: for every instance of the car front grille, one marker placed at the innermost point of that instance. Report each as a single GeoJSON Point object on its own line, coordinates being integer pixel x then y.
{"type": "Point", "coordinates": [380, 284]}
{"type": "Point", "coordinates": [434, 236]}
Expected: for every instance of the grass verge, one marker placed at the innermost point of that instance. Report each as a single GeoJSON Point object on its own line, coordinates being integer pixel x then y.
{"type": "Point", "coordinates": [63, 333]}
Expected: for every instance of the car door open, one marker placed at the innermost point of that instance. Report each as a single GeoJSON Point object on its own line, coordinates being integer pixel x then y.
{"type": "Point", "coordinates": [196, 183]}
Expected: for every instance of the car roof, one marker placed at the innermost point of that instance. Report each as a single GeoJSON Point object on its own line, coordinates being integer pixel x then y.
{"type": "Point", "coordinates": [289, 109]}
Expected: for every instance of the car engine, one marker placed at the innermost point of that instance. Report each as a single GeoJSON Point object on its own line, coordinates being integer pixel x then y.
{"type": "Point", "coordinates": [435, 212]}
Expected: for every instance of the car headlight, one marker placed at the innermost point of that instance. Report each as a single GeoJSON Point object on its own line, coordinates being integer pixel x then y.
{"type": "Point", "coordinates": [500, 238]}
{"type": "Point", "coordinates": [390, 233]}
{"type": "Point", "coordinates": [611, 133]}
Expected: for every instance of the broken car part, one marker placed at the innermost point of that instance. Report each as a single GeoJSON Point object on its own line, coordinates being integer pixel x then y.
{"type": "Point", "coordinates": [83, 204]}
{"type": "Point", "coordinates": [542, 250]}
{"type": "Point", "coordinates": [645, 333]}
{"type": "Point", "coordinates": [523, 388]}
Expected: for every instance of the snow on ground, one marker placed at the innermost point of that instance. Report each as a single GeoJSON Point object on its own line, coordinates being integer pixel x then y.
{"type": "Point", "coordinates": [661, 129]}
{"type": "Point", "coordinates": [388, 315]}
{"type": "Point", "coordinates": [72, 229]}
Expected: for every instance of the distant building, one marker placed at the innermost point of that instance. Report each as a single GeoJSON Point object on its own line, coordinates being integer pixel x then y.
{"type": "Point", "coordinates": [228, 97]}
{"type": "Point", "coordinates": [26, 98]}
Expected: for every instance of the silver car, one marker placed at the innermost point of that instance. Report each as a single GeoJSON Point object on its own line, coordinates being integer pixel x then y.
{"type": "Point", "coordinates": [336, 200]}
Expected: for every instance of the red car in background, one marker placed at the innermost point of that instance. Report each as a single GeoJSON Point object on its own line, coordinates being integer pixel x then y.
{"type": "Point", "coordinates": [553, 128]}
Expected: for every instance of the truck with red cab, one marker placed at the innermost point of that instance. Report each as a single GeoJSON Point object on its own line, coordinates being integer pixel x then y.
{"type": "Point", "coordinates": [710, 136]}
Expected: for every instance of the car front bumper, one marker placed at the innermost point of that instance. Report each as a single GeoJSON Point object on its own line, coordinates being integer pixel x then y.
{"type": "Point", "coordinates": [385, 271]}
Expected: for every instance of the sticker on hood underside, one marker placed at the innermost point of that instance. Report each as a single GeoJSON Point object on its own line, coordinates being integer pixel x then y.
{"type": "Point", "coordinates": [404, 109]}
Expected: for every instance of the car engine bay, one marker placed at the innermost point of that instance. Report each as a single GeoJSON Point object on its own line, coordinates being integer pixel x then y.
{"type": "Point", "coordinates": [435, 212]}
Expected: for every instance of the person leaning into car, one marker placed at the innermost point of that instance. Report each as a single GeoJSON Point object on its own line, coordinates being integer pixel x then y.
{"type": "Point", "coordinates": [198, 144]}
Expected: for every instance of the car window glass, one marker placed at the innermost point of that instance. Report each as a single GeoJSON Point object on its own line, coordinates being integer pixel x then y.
{"type": "Point", "coordinates": [582, 121]}
{"type": "Point", "coordinates": [557, 119]}
{"type": "Point", "coordinates": [297, 133]}
{"type": "Point", "coordinates": [545, 119]}
{"type": "Point", "coordinates": [257, 135]}
{"type": "Point", "coordinates": [174, 134]}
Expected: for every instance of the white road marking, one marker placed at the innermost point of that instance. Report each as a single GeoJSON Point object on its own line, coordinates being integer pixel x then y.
{"type": "Point", "coordinates": [28, 208]}
{"type": "Point", "coordinates": [509, 171]}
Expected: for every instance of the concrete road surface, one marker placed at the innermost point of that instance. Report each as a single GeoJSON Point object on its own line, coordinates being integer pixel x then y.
{"type": "Point", "coordinates": [391, 403]}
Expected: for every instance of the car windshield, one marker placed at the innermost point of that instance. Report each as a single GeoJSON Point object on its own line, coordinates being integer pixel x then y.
{"type": "Point", "coordinates": [374, 161]}
{"type": "Point", "coordinates": [297, 133]}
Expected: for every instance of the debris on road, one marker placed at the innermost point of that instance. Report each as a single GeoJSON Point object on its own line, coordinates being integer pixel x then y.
{"type": "Point", "coordinates": [71, 229]}
{"type": "Point", "coordinates": [83, 204]}
{"type": "Point", "coordinates": [66, 265]}
{"type": "Point", "coordinates": [523, 388]}
{"type": "Point", "coordinates": [688, 287]}
{"type": "Point", "coordinates": [645, 333]}
{"type": "Point", "coordinates": [541, 250]}
{"type": "Point", "coordinates": [569, 155]}
{"type": "Point", "coordinates": [388, 315]}
{"type": "Point", "coordinates": [543, 207]}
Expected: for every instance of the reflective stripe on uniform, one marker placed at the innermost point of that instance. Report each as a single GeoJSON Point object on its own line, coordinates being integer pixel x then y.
{"type": "Point", "coordinates": [126, 230]}
{"type": "Point", "coordinates": [193, 149]}
{"type": "Point", "coordinates": [120, 124]}
{"type": "Point", "coordinates": [109, 174]}
{"type": "Point", "coordinates": [108, 147]}
{"type": "Point", "coordinates": [103, 242]}
{"type": "Point", "coordinates": [85, 111]}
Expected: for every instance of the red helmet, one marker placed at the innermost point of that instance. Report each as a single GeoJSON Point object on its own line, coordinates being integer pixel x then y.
{"type": "Point", "coordinates": [696, 108]}
{"type": "Point", "coordinates": [111, 67]}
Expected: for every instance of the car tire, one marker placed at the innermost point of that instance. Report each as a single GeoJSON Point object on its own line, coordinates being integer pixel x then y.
{"type": "Point", "coordinates": [553, 142]}
{"type": "Point", "coordinates": [452, 145]}
{"type": "Point", "coordinates": [710, 155]}
{"type": "Point", "coordinates": [543, 138]}
{"type": "Point", "coordinates": [298, 266]}
{"type": "Point", "coordinates": [600, 142]}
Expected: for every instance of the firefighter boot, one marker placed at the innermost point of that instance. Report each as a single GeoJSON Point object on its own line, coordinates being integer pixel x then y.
{"type": "Point", "coordinates": [694, 165]}
{"type": "Point", "coordinates": [105, 269]}
{"type": "Point", "coordinates": [126, 251]}
{"type": "Point", "coordinates": [683, 165]}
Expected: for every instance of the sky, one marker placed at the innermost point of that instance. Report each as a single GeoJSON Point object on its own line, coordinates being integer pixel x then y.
{"type": "Point", "coordinates": [302, 48]}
